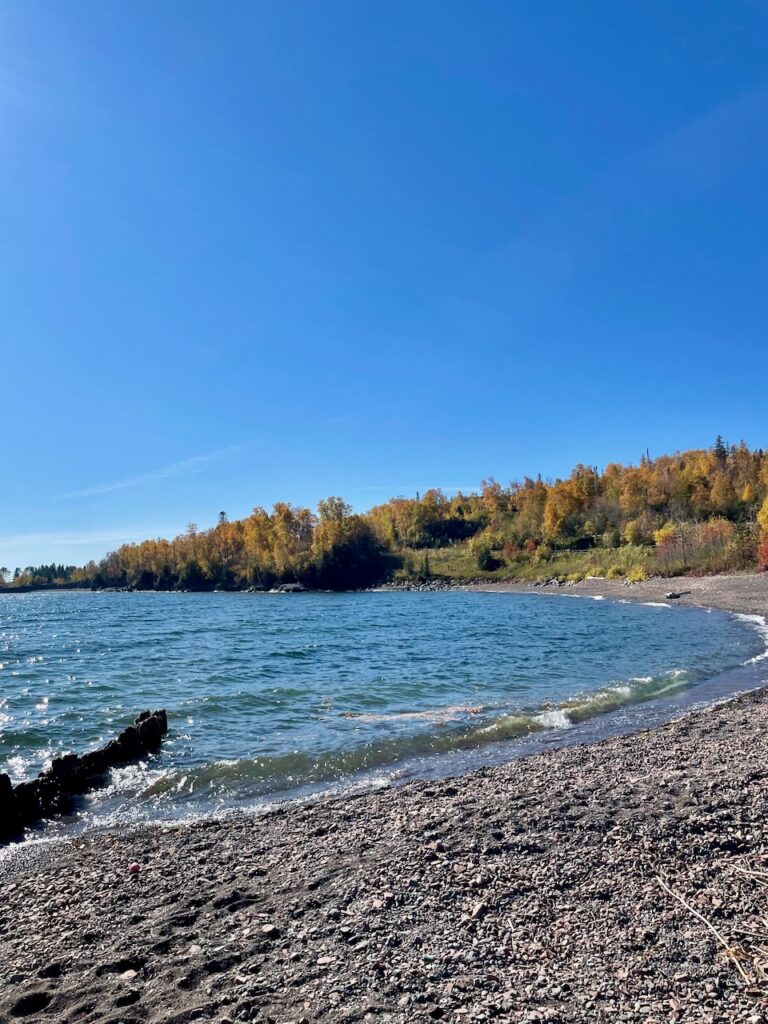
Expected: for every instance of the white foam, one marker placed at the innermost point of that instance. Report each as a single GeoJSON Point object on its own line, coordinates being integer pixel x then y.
{"type": "Point", "coordinates": [656, 604]}
{"type": "Point", "coordinates": [761, 625]}
{"type": "Point", "coordinates": [555, 718]}
{"type": "Point", "coordinates": [745, 617]}
{"type": "Point", "coordinates": [438, 715]}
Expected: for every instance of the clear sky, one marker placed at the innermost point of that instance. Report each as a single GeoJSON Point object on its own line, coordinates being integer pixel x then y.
{"type": "Point", "coordinates": [253, 251]}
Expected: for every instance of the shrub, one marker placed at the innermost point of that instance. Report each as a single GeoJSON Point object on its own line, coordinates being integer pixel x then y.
{"type": "Point", "coordinates": [485, 559]}
{"type": "Point", "coordinates": [762, 551]}
{"type": "Point", "coordinates": [639, 531]}
{"type": "Point", "coordinates": [615, 572]}
{"type": "Point", "coordinates": [711, 546]}
{"type": "Point", "coordinates": [511, 552]}
{"type": "Point", "coordinates": [636, 575]}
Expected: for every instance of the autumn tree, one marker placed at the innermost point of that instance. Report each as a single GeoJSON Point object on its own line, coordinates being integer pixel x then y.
{"type": "Point", "coordinates": [762, 546]}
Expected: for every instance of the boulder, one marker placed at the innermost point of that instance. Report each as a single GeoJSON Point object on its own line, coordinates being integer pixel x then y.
{"type": "Point", "coordinates": [71, 775]}
{"type": "Point", "coordinates": [27, 798]}
{"type": "Point", "coordinates": [130, 741]}
{"type": "Point", "coordinates": [94, 763]}
{"type": "Point", "coordinates": [150, 732]}
{"type": "Point", "coordinates": [9, 815]}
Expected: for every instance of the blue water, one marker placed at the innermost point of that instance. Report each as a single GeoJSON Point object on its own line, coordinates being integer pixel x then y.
{"type": "Point", "coordinates": [281, 694]}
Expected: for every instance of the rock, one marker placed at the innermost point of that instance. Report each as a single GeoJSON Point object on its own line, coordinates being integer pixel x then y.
{"type": "Point", "coordinates": [131, 743]}
{"type": "Point", "coordinates": [94, 763]}
{"type": "Point", "coordinates": [150, 733]}
{"type": "Point", "coordinates": [53, 790]}
{"type": "Point", "coordinates": [9, 814]}
{"type": "Point", "coordinates": [27, 798]}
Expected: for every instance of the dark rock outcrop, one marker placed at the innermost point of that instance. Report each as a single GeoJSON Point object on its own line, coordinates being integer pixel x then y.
{"type": "Point", "coordinates": [52, 792]}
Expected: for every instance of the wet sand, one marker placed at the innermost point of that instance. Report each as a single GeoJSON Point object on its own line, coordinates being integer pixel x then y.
{"type": "Point", "coordinates": [620, 881]}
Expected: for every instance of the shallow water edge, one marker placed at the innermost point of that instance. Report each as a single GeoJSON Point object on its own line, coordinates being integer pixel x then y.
{"type": "Point", "coordinates": [607, 714]}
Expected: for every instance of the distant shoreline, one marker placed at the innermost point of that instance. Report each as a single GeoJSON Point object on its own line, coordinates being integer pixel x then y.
{"type": "Point", "coordinates": [745, 593]}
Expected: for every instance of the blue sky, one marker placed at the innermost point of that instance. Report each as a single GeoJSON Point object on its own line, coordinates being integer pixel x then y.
{"type": "Point", "coordinates": [266, 250]}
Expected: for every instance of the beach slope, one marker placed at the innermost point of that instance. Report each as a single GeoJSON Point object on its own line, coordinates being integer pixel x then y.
{"type": "Point", "coordinates": [745, 593]}
{"type": "Point", "coordinates": [623, 881]}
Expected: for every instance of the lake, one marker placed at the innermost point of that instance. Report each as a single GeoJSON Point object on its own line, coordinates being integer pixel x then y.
{"type": "Point", "coordinates": [273, 696]}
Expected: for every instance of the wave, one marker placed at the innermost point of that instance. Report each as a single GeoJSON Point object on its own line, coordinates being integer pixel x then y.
{"type": "Point", "coordinates": [456, 728]}
{"type": "Point", "coordinates": [437, 715]}
{"type": "Point", "coordinates": [761, 625]}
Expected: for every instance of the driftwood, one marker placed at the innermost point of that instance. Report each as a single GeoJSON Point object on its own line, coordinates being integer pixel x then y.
{"type": "Point", "coordinates": [52, 792]}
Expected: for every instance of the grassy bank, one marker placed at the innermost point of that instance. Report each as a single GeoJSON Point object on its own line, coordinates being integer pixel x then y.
{"type": "Point", "coordinates": [630, 561]}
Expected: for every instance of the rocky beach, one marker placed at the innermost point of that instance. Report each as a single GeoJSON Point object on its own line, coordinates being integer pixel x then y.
{"type": "Point", "coordinates": [620, 881]}
{"type": "Point", "coordinates": [745, 593]}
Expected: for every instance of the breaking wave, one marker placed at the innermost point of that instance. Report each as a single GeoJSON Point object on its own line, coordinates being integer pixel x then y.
{"type": "Point", "coordinates": [761, 625]}
{"type": "Point", "coordinates": [454, 728]}
{"type": "Point", "coordinates": [273, 700]}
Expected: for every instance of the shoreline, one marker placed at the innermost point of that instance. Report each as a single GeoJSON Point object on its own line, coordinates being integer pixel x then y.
{"type": "Point", "coordinates": [530, 891]}
{"type": "Point", "coordinates": [527, 892]}
{"type": "Point", "coordinates": [743, 592]}
{"type": "Point", "coordinates": [740, 593]}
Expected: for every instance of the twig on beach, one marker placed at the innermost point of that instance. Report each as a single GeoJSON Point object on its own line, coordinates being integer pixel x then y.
{"type": "Point", "coordinates": [761, 876]}
{"type": "Point", "coordinates": [730, 950]}
{"type": "Point", "coordinates": [753, 935]}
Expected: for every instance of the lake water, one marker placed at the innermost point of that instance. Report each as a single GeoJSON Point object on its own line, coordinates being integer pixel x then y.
{"type": "Point", "coordinates": [282, 695]}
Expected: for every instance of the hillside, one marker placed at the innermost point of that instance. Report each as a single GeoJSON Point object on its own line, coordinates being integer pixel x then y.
{"type": "Point", "coordinates": [704, 510]}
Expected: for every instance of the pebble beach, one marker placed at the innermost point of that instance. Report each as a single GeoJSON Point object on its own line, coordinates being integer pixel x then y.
{"type": "Point", "coordinates": [622, 881]}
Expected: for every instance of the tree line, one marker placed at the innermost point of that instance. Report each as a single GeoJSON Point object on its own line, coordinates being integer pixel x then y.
{"type": "Point", "coordinates": [705, 509]}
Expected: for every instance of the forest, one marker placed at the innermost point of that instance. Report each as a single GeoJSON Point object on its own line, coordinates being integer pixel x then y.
{"type": "Point", "coordinates": [698, 511]}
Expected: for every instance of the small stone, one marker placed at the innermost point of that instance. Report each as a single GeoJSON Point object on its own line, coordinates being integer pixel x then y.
{"type": "Point", "coordinates": [270, 931]}
{"type": "Point", "coordinates": [134, 869]}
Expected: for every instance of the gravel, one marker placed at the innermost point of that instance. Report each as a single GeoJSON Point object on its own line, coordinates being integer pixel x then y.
{"type": "Point", "coordinates": [623, 881]}
{"type": "Point", "coordinates": [745, 592]}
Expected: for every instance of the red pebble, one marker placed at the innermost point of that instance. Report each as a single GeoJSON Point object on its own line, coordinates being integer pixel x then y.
{"type": "Point", "coordinates": [134, 869]}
